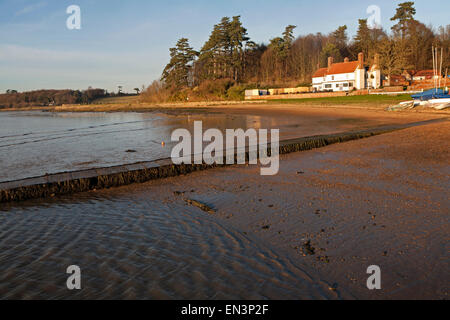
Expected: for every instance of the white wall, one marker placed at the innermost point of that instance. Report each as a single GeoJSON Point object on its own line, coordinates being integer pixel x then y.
{"type": "Point", "coordinates": [340, 77]}
{"type": "Point", "coordinates": [376, 81]}
{"type": "Point", "coordinates": [333, 80]}
{"type": "Point", "coordinates": [360, 81]}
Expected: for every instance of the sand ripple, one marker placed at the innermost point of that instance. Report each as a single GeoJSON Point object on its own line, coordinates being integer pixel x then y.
{"type": "Point", "coordinates": [134, 247]}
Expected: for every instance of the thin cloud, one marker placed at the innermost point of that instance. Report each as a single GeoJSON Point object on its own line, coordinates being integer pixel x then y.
{"type": "Point", "coordinates": [31, 8]}
{"type": "Point", "coordinates": [15, 53]}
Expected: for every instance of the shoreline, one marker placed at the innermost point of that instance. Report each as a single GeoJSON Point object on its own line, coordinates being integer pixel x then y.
{"type": "Point", "coordinates": [232, 106]}
{"type": "Point", "coordinates": [331, 211]}
{"type": "Point", "coordinates": [352, 205]}
{"type": "Point", "coordinates": [133, 107]}
{"type": "Point", "coordinates": [104, 178]}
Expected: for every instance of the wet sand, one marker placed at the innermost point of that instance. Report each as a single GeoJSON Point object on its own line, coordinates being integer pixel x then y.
{"type": "Point", "coordinates": [309, 232]}
{"type": "Point", "coordinates": [380, 201]}
{"type": "Point", "coordinates": [34, 143]}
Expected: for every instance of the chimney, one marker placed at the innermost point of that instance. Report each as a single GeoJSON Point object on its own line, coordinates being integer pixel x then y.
{"type": "Point", "coordinates": [346, 60]}
{"type": "Point", "coordinates": [330, 62]}
{"type": "Point", "coordinates": [376, 60]}
{"type": "Point", "coordinates": [361, 60]}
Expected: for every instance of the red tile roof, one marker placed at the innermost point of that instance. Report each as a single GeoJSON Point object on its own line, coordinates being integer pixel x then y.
{"type": "Point", "coordinates": [337, 68]}
{"type": "Point", "coordinates": [322, 72]}
{"type": "Point", "coordinates": [344, 67]}
{"type": "Point", "coordinates": [424, 73]}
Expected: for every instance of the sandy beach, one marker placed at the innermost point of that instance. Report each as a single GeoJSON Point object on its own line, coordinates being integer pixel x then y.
{"type": "Point", "coordinates": [379, 201]}
{"type": "Point", "coordinates": [224, 160]}
{"type": "Point", "coordinates": [309, 232]}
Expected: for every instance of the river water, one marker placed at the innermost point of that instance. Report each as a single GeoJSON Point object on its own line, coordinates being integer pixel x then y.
{"type": "Point", "coordinates": [130, 243]}
{"type": "Point", "coordinates": [39, 143]}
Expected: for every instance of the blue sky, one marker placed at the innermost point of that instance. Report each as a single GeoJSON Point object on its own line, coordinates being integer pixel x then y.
{"type": "Point", "coordinates": [126, 42]}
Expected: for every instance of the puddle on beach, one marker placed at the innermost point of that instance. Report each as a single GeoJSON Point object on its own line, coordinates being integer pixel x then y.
{"type": "Point", "coordinates": [38, 143]}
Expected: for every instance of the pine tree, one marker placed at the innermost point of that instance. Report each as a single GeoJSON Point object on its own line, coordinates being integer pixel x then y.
{"type": "Point", "coordinates": [177, 72]}
{"type": "Point", "coordinates": [281, 49]}
{"type": "Point", "coordinates": [238, 39]}
{"type": "Point", "coordinates": [330, 50]}
{"type": "Point", "coordinates": [404, 15]}
{"type": "Point", "coordinates": [339, 39]}
{"type": "Point", "coordinates": [222, 56]}
{"type": "Point", "coordinates": [362, 38]}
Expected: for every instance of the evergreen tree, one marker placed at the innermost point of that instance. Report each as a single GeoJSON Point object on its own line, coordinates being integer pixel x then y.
{"type": "Point", "coordinates": [404, 15]}
{"type": "Point", "coordinates": [238, 39]}
{"type": "Point", "coordinates": [281, 49]}
{"type": "Point", "coordinates": [222, 56]}
{"type": "Point", "coordinates": [330, 50]}
{"type": "Point", "coordinates": [339, 39]}
{"type": "Point", "coordinates": [177, 72]}
{"type": "Point", "coordinates": [229, 54]}
{"type": "Point", "coordinates": [362, 38]}
{"type": "Point", "coordinates": [288, 37]}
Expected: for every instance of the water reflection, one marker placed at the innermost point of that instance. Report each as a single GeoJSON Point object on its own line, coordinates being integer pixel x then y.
{"type": "Point", "coordinates": [38, 143]}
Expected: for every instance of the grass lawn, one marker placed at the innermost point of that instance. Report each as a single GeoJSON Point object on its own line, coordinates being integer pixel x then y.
{"type": "Point", "coordinates": [369, 100]}
{"type": "Point", "coordinates": [117, 100]}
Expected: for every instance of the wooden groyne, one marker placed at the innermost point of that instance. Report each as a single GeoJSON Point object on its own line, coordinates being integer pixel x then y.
{"type": "Point", "coordinates": [109, 177]}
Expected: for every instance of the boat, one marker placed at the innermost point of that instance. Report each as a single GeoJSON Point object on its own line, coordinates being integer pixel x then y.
{"type": "Point", "coordinates": [431, 94]}
{"type": "Point", "coordinates": [402, 106]}
{"type": "Point", "coordinates": [436, 98]}
{"type": "Point", "coordinates": [440, 104]}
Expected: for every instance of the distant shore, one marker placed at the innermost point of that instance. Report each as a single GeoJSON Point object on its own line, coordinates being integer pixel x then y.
{"type": "Point", "coordinates": [133, 107]}
{"type": "Point", "coordinates": [361, 103]}
{"type": "Point", "coordinates": [223, 107]}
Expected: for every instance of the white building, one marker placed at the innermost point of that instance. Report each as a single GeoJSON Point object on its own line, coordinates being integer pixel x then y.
{"type": "Point", "coordinates": [425, 75]}
{"type": "Point", "coordinates": [256, 92]}
{"type": "Point", "coordinates": [347, 76]}
{"type": "Point", "coordinates": [374, 75]}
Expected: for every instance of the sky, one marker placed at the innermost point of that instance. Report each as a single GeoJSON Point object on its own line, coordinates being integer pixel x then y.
{"type": "Point", "coordinates": [127, 42]}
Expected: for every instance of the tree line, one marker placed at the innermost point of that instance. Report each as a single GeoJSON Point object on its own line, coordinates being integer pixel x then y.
{"type": "Point", "coordinates": [229, 58]}
{"type": "Point", "coordinates": [14, 99]}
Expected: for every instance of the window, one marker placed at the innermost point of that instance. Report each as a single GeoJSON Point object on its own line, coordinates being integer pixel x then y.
{"type": "Point", "coordinates": [350, 84]}
{"type": "Point", "coordinates": [332, 78]}
{"type": "Point", "coordinates": [345, 85]}
{"type": "Point", "coordinates": [328, 86]}
{"type": "Point", "coordinates": [337, 85]}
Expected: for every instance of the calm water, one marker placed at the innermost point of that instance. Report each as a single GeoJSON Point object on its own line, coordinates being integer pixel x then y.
{"type": "Point", "coordinates": [38, 143]}
{"type": "Point", "coordinates": [129, 242]}
{"type": "Point", "coordinates": [136, 245]}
